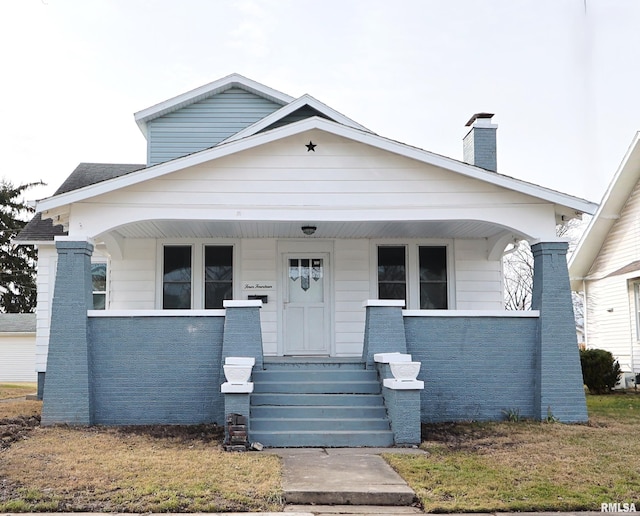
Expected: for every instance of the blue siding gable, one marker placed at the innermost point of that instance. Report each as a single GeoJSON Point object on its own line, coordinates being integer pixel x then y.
{"type": "Point", "coordinates": [204, 124]}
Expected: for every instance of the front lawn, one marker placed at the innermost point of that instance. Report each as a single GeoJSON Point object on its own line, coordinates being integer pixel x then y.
{"type": "Point", "coordinates": [530, 466]}
{"type": "Point", "coordinates": [134, 469]}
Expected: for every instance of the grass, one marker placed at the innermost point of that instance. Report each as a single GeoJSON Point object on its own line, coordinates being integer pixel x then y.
{"type": "Point", "coordinates": [530, 466]}
{"type": "Point", "coordinates": [133, 469]}
{"type": "Point", "coordinates": [17, 390]}
{"type": "Point", "coordinates": [471, 467]}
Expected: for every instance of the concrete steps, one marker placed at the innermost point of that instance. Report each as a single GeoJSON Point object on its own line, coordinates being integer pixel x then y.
{"type": "Point", "coordinates": [318, 404]}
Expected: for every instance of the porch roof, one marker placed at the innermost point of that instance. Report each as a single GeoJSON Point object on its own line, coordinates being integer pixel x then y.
{"type": "Point", "coordinates": [324, 229]}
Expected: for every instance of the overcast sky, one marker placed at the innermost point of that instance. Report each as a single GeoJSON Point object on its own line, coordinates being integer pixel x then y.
{"type": "Point", "coordinates": [561, 76]}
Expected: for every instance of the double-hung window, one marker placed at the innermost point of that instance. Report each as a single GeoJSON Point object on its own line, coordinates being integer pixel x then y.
{"type": "Point", "coordinates": [432, 263]}
{"type": "Point", "coordinates": [392, 272]}
{"type": "Point", "coordinates": [99, 285]}
{"type": "Point", "coordinates": [218, 275]}
{"type": "Point", "coordinates": [196, 276]}
{"type": "Point", "coordinates": [417, 274]}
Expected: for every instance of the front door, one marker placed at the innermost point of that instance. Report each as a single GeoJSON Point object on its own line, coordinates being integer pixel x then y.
{"type": "Point", "coordinates": [306, 314]}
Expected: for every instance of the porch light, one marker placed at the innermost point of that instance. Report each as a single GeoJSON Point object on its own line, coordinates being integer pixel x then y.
{"type": "Point", "coordinates": [308, 230]}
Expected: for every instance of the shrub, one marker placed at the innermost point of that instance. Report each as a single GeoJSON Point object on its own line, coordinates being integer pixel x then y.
{"type": "Point", "coordinates": [600, 371]}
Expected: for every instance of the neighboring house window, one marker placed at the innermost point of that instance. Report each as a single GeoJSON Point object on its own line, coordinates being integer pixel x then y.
{"type": "Point", "coordinates": [392, 272]}
{"type": "Point", "coordinates": [636, 289]}
{"type": "Point", "coordinates": [99, 282]}
{"type": "Point", "coordinates": [425, 267]}
{"type": "Point", "coordinates": [176, 277]}
{"type": "Point", "coordinates": [218, 275]}
{"type": "Point", "coordinates": [433, 277]}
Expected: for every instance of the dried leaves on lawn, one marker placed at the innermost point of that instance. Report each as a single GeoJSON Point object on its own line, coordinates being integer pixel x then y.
{"type": "Point", "coordinates": [530, 466]}
{"type": "Point", "coordinates": [136, 469]}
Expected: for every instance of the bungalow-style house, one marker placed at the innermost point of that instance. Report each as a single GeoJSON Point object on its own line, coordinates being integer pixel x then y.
{"type": "Point", "coordinates": [606, 268]}
{"type": "Point", "coordinates": [17, 347]}
{"type": "Point", "coordinates": [277, 228]}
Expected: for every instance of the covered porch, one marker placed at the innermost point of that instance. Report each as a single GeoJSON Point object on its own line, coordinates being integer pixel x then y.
{"type": "Point", "coordinates": [127, 365]}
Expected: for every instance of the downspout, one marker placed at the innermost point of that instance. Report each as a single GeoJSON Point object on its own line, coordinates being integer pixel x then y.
{"type": "Point", "coordinates": [585, 311]}
{"type": "Point", "coordinates": [633, 319]}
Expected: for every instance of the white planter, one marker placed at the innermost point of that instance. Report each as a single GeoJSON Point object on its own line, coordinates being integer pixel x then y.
{"type": "Point", "coordinates": [405, 371]}
{"type": "Point", "coordinates": [236, 374]}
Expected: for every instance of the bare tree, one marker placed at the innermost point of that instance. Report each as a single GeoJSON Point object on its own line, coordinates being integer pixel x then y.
{"type": "Point", "coordinates": [518, 270]}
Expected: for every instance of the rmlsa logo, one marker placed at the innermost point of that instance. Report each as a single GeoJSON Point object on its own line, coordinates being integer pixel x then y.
{"type": "Point", "coordinates": [618, 507]}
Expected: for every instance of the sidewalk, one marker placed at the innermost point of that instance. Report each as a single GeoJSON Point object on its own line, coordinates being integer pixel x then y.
{"type": "Point", "coordinates": [343, 476]}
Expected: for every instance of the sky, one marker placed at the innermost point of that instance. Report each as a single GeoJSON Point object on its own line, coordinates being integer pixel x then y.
{"type": "Point", "coordinates": [561, 76]}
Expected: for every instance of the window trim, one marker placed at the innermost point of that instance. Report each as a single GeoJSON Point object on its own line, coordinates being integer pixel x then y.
{"type": "Point", "coordinates": [197, 267]}
{"type": "Point", "coordinates": [413, 267]}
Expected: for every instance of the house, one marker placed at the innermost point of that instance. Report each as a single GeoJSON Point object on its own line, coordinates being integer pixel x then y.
{"type": "Point", "coordinates": [17, 347]}
{"type": "Point", "coordinates": [606, 268]}
{"type": "Point", "coordinates": [277, 228]}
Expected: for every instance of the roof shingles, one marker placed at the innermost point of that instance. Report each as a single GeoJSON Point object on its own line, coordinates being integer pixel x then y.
{"type": "Point", "coordinates": [85, 174]}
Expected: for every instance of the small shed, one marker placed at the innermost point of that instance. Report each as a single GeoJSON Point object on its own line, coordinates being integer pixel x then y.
{"type": "Point", "coordinates": [18, 348]}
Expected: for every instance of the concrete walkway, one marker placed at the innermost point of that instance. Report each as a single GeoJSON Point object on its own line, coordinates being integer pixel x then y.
{"type": "Point", "coordinates": [343, 476]}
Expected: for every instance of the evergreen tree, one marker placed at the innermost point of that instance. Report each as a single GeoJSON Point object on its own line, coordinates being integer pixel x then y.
{"type": "Point", "coordinates": [17, 263]}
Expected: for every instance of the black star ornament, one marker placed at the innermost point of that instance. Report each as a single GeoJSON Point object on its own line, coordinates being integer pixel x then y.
{"type": "Point", "coordinates": [311, 146]}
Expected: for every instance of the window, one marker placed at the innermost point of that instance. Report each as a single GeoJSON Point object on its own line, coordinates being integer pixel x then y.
{"type": "Point", "coordinates": [218, 275]}
{"type": "Point", "coordinates": [636, 290]}
{"type": "Point", "coordinates": [99, 282]}
{"type": "Point", "coordinates": [176, 278]}
{"type": "Point", "coordinates": [433, 277]}
{"type": "Point", "coordinates": [392, 272]}
{"type": "Point", "coordinates": [196, 276]}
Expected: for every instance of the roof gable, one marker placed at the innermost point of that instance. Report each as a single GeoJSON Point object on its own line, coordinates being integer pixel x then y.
{"type": "Point", "coordinates": [614, 200]}
{"type": "Point", "coordinates": [234, 80]}
{"type": "Point", "coordinates": [299, 109]}
{"type": "Point", "coordinates": [234, 146]}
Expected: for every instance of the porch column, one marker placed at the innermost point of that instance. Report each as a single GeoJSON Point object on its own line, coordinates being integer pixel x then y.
{"type": "Point", "coordinates": [242, 331]}
{"type": "Point", "coordinates": [383, 330]}
{"type": "Point", "coordinates": [559, 390]}
{"type": "Point", "coordinates": [67, 390]}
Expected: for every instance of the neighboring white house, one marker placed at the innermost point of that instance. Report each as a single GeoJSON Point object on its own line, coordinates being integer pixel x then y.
{"type": "Point", "coordinates": [17, 347]}
{"type": "Point", "coordinates": [606, 268]}
{"type": "Point", "coordinates": [249, 194]}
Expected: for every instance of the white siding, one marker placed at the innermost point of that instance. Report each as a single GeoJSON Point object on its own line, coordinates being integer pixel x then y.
{"type": "Point", "coordinates": [132, 280]}
{"type": "Point", "coordinates": [47, 257]}
{"type": "Point", "coordinates": [351, 290]}
{"type": "Point", "coordinates": [610, 318]}
{"type": "Point", "coordinates": [258, 263]}
{"type": "Point", "coordinates": [478, 280]}
{"type": "Point", "coordinates": [343, 179]}
{"type": "Point", "coordinates": [610, 307]}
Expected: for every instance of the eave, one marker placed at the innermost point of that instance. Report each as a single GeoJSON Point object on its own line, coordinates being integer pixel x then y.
{"type": "Point", "coordinates": [613, 201]}
{"type": "Point", "coordinates": [364, 137]}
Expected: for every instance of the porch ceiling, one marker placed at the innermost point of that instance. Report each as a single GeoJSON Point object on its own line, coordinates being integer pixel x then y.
{"type": "Point", "coordinates": [270, 229]}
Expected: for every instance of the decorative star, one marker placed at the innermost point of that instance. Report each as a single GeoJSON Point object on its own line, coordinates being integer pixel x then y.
{"type": "Point", "coordinates": [311, 146]}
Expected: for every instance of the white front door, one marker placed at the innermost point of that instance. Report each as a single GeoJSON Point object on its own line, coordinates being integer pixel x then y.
{"type": "Point", "coordinates": [306, 309]}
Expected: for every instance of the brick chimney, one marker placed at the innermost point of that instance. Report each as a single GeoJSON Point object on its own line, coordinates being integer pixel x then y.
{"type": "Point", "coordinates": [479, 145]}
